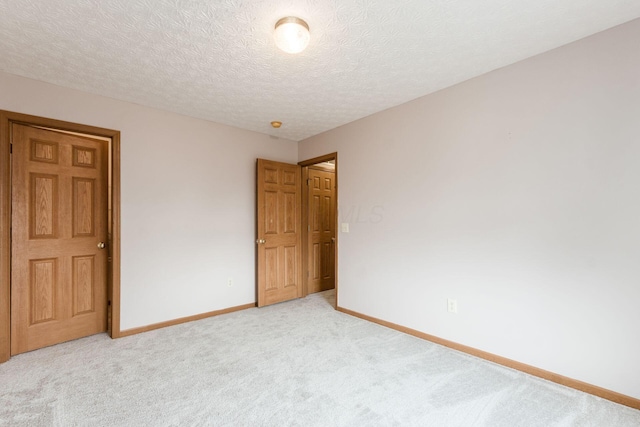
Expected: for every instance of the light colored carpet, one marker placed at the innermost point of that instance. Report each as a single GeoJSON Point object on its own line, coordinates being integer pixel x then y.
{"type": "Point", "coordinates": [298, 363]}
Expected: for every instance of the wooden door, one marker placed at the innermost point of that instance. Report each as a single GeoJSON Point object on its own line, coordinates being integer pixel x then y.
{"type": "Point", "coordinates": [59, 227]}
{"type": "Point", "coordinates": [279, 272]}
{"type": "Point", "coordinates": [322, 229]}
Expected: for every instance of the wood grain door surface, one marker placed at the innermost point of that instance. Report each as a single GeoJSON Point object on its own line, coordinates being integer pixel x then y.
{"type": "Point", "coordinates": [322, 230]}
{"type": "Point", "coordinates": [279, 255]}
{"type": "Point", "coordinates": [59, 218]}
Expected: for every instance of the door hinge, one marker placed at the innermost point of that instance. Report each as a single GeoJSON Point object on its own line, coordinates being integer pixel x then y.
{"type": "Point", "coordinates": [308, 181]}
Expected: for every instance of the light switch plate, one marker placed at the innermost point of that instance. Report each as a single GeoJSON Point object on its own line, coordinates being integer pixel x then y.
{"type": "Point", "coordinates": [344, 227]}
{"type": "Point", "coordinates": [452, 305]}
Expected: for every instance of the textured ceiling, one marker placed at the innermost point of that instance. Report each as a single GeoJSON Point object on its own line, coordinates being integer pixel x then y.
{"type": "Point", "coordinates": [216, 59]}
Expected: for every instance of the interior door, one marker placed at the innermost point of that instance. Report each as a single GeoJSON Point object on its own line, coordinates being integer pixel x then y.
{"type": "Point", "coordinates": [59, 229]}
{"type": "Point", "coordinates": [279, 255]}
{"type": "Point", "coordinates": [322, 229]}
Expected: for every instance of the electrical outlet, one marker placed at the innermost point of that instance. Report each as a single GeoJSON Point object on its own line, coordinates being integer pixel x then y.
{"type": "Point", "coordinates": [229, 282]}
{"type": "Point", "coordinates": [452, 305]}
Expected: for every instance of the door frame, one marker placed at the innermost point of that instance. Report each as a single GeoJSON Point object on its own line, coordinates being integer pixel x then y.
{"type": "Point", "coordinates": [7, 118]}
{"type": "Point", "coordinates": [305, 220]}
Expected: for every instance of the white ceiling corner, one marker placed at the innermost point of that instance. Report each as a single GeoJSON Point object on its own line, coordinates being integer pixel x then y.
{"type": "Point", "coordinates": [216, 59]}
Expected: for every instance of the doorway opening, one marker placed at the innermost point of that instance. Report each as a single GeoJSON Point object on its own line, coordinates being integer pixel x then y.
{"type": "Point", "coordinates": [319, 224]}
{"type": "Point", "coordinates": [296, 244]}
{"type": "Point", "coordinates": [47, 207]}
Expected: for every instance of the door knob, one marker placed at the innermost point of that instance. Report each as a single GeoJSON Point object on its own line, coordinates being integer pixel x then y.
{"type": "Point", "coordinates": [101, 245]}
{"type": "Point", "coordinates": [261, 241]}
{"type": "Point", "coordinates": [333, 240]}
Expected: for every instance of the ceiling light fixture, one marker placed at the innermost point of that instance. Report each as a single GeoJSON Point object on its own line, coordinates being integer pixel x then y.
{"type": "Point", "coordinates": [292, 34]}
{"type": "Point", "coordinates": [276, 124]}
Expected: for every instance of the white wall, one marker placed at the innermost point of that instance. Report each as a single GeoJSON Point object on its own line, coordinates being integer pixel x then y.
{"type": "Point", "coordinates": [188, 199]}
{"type": "Point", "coordinates": [518, 194]}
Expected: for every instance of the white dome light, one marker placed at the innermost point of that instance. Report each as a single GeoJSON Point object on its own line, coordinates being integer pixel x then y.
{"type": "Point", "coordinates": [292, 34]}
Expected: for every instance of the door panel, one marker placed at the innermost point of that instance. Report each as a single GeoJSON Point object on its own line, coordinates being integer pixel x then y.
{"type": "Point", "coordinates": [43, 278]}
{"type": "Point", "coordinates": [59, 199]}
{"type": "Point", "coordinates": [322, 230]}
{"type": "Point", "coordinates": [279, 275]}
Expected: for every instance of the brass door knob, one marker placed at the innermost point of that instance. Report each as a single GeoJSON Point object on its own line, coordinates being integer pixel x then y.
{"type": "Point", "coordinates": [261, 241]}
{"type": "Point", "coordinates": [101, 245]}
